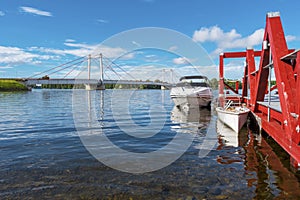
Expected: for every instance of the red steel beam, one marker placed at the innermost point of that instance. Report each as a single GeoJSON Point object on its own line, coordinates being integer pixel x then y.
{"type": "Point", "coordinates": [284, 126]}
{"type": "Point", "coordinates": [221, 80]}
{"type": "Point", "coordinates": [241, 54]}
{"type": "Point", "coordinates": [250, 54]}
{"type": "Point", "coordinates": [237, 87]}
{"type": "Point", "coordinates": [297, 70]}
{"type": "Point", "coordinates": [262, 78]}
{"type": "Point", "coordinates": [275, 131]}
{"type": "Point", "coordinates": [244, 83]}
{"type": "Point", "coordinates": [274, 113]}
{"type": "Point", "coordinates": [284, 75]}
{"type": "Point", "coordinates": [230, 88]}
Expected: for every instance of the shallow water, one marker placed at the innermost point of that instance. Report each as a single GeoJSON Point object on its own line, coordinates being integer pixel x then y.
{"type": "Point", "coordinates": [42, 155]}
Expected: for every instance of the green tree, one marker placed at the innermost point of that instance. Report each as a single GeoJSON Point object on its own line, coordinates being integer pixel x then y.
{"type": "Point", "coordinates": [214, 83]}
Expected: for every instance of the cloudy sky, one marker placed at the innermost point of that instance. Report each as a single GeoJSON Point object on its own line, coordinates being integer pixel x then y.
{"type": "Point", "coordinates": [39, 35]}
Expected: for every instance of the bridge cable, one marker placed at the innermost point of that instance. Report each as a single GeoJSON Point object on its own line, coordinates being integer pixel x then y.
{"type": "Point", "coordinates": [66, 67]}
{"type": "Point", "coordinates": [43, 72]}
{"type": "Point", "coordinates": [76, 67]}
{"type": "Point", "coordinates": [120, 68]}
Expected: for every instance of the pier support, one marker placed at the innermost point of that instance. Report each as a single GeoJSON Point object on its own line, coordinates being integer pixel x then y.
{"type": "Point", "coordinates": [281, 121]}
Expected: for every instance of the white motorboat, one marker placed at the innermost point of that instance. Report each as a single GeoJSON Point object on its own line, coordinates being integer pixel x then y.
{"type": "Point", "coordinates": [193, 91]}
{"type": "Point", "coordinates": [234, 117]}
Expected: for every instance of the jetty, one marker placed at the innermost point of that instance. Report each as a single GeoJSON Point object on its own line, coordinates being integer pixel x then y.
{"type": "Point", "coordinates": [278, 117]}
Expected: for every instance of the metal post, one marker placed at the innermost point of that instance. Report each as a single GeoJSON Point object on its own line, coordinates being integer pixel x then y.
{"type": "Point", "coordinates": [248, 88]}
{"type": "Point", "coordinates": [101, 69]}
{"type": "Point", "coordinates": [237, 86]}
{"type": "Point", "coordinates": [89, 66]}
{"type": "Point", "coordinates": [269, 84]}
{"type": "Point", "coordinates": [221, 80]}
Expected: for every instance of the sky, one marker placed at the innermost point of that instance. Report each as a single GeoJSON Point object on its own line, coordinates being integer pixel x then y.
{"type": "Point", "coordinates": [37, 35]}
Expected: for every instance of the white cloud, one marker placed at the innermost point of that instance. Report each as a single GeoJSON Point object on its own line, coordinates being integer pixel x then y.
{"type": "Point", "coordinates": [103, 21]}
{"type": "Point", "coordinates": [70, 40]}
{"type": "Point", "coordinates": [227, 40]}
{"type": "Point", "coordinates": [290, 38]}
{"type": "Point", "coordinates": [216, 52]}
{"type": "Point", "coordinates": [79, 45]}
{"type": "Point", "coordinates": [81, 49]}
{"type": "Point", "coordinates": [211, 71]}
{"type": "Point", "coordinates": [173, 48]}
{"type": "Point", "coordinates": [150, 56]}
{"type": "Point", "coordinates": [2, 13]}
{"type": "Point", "coordinates": [234, 69]}
{"type": "Point", "coordinates": [15, 55]}
{"type": "Point", "coordinates": [231, 39]}
{"type": "Point", "coordinates": [6, 67]}
{"type": "Point", "coordinates": [181, 60]}
{"type": "Point", "coordinates": [35, 11]}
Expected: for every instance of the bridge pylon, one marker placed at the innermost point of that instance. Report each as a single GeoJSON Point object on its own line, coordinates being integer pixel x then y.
{"type": "Point", "coordinates": [100, 85]}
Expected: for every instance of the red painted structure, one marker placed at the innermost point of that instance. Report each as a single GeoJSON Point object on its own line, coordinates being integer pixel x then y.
{"type": "Point", "coordinates": [282, 125]}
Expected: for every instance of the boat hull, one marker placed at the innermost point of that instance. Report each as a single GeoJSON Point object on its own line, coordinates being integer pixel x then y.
{"type": "Point", "coordinates": [192, 101]}
{"type": "Point", "coordinates": [191, 96]}
{"type": "Point", "coordinates": [229, 136]}
{"type": "Point", "coordinates": [234, 120]}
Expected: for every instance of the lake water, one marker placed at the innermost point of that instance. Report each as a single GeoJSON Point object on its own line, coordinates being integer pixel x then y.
{"type": "Point", "coordinates": [42, 152]}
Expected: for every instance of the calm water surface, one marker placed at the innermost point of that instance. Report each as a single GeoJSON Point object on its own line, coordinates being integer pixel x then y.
{"type": "Point", "coordinates": [42, 156]}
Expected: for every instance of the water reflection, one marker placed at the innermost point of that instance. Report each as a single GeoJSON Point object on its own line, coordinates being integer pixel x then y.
{"type": "Point", "coordinates": [265, 163]}
{"type": "Point", "coordinates": [274, 179]}
{"type": "Point", "coordinates": [190, 119]}
{"type": "Point", "coordinates": [42, 156]}
{"type": "Point", "coordinates": [226, 135]}
{"type": "Point", "coordinates": [128, 116]}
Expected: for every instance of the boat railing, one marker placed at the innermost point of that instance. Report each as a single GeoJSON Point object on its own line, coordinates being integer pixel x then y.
{"type": "Point", "coordinates": [228, 104]}
{"type": "Point", "coordinates": [231, 103]}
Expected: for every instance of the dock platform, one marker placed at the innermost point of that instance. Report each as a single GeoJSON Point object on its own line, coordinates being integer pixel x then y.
{"type": "Point", "coordinates": [277, 115]}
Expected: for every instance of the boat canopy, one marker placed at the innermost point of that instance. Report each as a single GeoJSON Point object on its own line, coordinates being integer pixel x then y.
{"type": "Point", "coordinates": [193, 77]}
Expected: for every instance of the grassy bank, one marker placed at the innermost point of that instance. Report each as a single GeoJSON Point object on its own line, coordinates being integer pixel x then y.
{"type": "Point", "coordinates": [12, 85]}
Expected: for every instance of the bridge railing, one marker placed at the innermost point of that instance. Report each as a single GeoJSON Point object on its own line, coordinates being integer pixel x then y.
{"type": "Point", "coordinates": [91, 81]}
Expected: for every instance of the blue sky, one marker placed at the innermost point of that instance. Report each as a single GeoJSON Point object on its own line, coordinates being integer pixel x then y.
{"type": "Point", "coordinates": [38, 35]}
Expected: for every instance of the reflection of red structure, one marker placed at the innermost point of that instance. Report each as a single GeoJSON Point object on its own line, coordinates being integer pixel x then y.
{"type": "Point", "coordinates": [282, 124]}
{"type": "Point", "coordinates": [261, 159]}
{"type": "Point", "coordinates": [264, 169]}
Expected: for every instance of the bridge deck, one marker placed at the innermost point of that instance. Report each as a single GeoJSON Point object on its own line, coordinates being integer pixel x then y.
{"type": "Point", "coordinates": [91, 81]}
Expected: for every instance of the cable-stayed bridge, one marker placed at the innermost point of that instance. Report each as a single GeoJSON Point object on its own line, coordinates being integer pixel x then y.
{"type": "Point", "coordinates": [97, 71]}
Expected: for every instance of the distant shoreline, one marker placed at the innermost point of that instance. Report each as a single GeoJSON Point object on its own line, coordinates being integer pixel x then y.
{"type": "Point", "coordinates": [12, 86]}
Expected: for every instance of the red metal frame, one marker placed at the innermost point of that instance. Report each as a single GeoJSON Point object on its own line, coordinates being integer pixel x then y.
{"type": "Point", "coordinates": [284, 126]}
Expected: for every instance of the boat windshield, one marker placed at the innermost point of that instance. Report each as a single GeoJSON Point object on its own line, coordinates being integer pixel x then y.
{"type": "Point", "coordinates": [193, 81]}
{"type": "Point", "coordinates": [192, 84]}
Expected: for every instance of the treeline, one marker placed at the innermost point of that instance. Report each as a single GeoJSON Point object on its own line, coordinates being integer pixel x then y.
{"type": "Point", "coordinates": [107, 86]}
{"type": "Point", "coordinates": [231, 83]}
{"type": "Point", "coordinates": [213, 82]}
{"type": "Point", "coordinates": [60, 86]}
{"type": "Point", "coordinates": [132, 86]}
